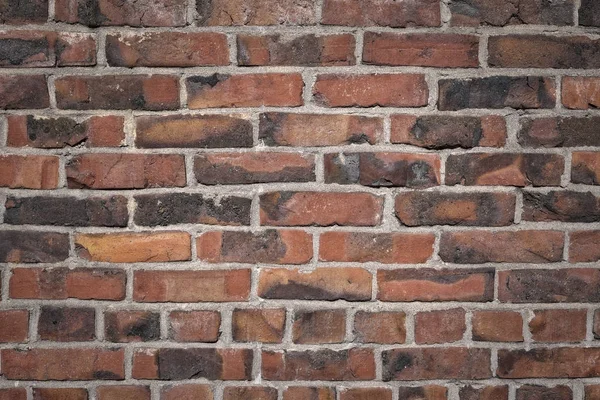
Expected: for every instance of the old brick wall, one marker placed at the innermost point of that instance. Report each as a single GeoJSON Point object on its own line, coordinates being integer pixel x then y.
{"type": "Point", "coordinates": [299, 199]}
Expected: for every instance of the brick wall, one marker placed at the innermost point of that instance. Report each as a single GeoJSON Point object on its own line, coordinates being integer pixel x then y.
{"type": "Point", "coordinates": [299, 199]}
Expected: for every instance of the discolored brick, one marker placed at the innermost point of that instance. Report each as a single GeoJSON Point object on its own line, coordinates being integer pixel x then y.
{"type": "Point", "coordinates": [23, 91]}
{"type": "Point", "coordinates": [589, 13]}
{"type": "Point", "coordinates": [366, 394]}
{"type": "Point", "coordinates": [535, 392]}
{"type": "Point", "coordinates": [23, 12]}
{"type": "Point", "coordinates": [29, 172]}
{"type": "Point", "coordinates": [263, 325]}
{"type": "Point", "coordinates": [484, 393]}
{"type": "Point", "coordinates": [194, 326]}
{"type": "Point", "coordinates": [67, 324]}
{"type": "Point", "coordinates": [585, 168]}
{"type": "Point", "coordinates": [556, 362]}
{"type": "Point", "coordinates": [509, 12]}
{"type": "Point", "coordinates": [442, 326]}
{"type": "Point", "coordinates": [319, 326]}
{"type": "Point", "coordinates": [123, 392]}
{"type": "Point", "coordinates": [558, 325]}
{"type": "Point", "coordinates": [124, 326]}
{"type": "Point", "coordinates": [249, 393]}
{"type": "Point", "coordinates": [33, 247]}
{"type": "Point", "coordinates": [59, 394]}
{"type": "Point", "coordinates": [383, 327]}
{"type": "Point", "coordinates": [583, 246]}
{"type": "Point", "coordinates": [581, 92]}
{"type": "Point", "coordinates": [565, 206]}
{"type": "Point", "coordinates": [497, 326]}
{"type": "Point", "coordinates": [308, 392]}
{"type": "Point", "coordinates": [256, 12]}
{"type": "Point", "coordinates": [427, 392]}
{"type": "Point", "coordinates": [570, 131]}
{"type": "Point", "coordinates": [387, 13]}
{"type": "Point", "coordinates": [186, 392]}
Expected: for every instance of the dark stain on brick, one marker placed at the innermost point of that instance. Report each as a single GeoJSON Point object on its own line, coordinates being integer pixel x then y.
{"type": "Point", "coordinates": [17, 51]}
{"type": "Point", "coordinates": [264, 247]}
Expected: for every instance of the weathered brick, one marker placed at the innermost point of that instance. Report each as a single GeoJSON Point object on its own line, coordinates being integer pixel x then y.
{"type": "Point", "coordinates": [383, 169]}
{"type": "Point", "coordinates": [565, 206]}
{"type": "Point", "coordinates": [128, 392]}
{"type": "Point", "coordinates": [441, 326]}
{"type": "Point", "coordinates": [14, 326]}
{"type": "Point", "coordinates": [117, 92]}
{"type": "Point", "coordinates": [383, 327]}
{"type": "Point", "coordinates": [535, 392]}
{"type": "Point", "coordinates": [592, 392]}
{"type": "Point", "coordinates": [67, 211]}
{"type": "Point", "coordinates": [175, 364]}
{"type": "Point", "coordinates": [73, 364]}
{"type": "Point", "coordinates": [319, 326]}
{"type": "Point", "coordinates": [29, 172]}
{"type": "Point", "coordinates": [466, 209]}
{"type": "Point", "coordinates": [354, 364]}
{"type": "Point", "coordinates": [583, 246]}
{"type": "Point", "coordinates": [202, 131]}
{"type": "Point", "coordinates": [167, 49]}
{"type": "Point", "coordinates": [427, 392]}
{"type": "Point", "coordinates": [540, 51]}
{"type": "Point", "coordinates": [559, 132]}
{"type": "Point", "coordinates": [13, 393]}
{"type": "Point", "coordinates": [59, 394]}
{"type": "Point", "coordinates": [255, 167]}
{"type": "Point", "coordinates": [504, 169]}
{"type": "Point", "coordinates": [389, 13]}
{"type": "Point", "coordinates": [497, 326]}
{"type": "Point", "coordinates": [33, 247]}
{"type": "Point", "coordinates": [62, 283]}
{"type": "Point", "coordinates": [51, 133]}
{"type": "Point", "coordinates": [305, 50]}
{"type": "Point", "coordinates": [581, 92]}
{"type": "Point", "coordinates": [421, 49]}
{"type": "Point", "coordinates": [526, 246]}
{"type": "Point", "coordinates": [264, 325]}
{"type": "Point", "coordinates": [23, 12]}
{"type": "Point", "coordinates": [495, 92]}
{"type": "Point", "coordinates": [557, 362]}
{"type": "Point", "coordinates": [386, 248]}
{"type": "Point", "coordinates": [427, 284]}
{"type": "Point", "coordinates": [133, 247]}
{"type": "Point", "coordinates": [124, 326]}
{"type": "Point", "coordinates": [191, 286]}
{"type": "Point", "coordinates": [191, 208]}
{"type": "Point", "coordinates": [585, 168]}
{"type": "Point", "coordinates": [384, 90]}
{"type": "Point", "coordinates": [366, 394]}
{"type": "Point", "coordinates": [23, 91]}
{"type": "Point", "coordinates": [589, 13]}
{"type": "Point", "coordinates": [281, 129]}
{"type": "Point", "coordinates": [483, 393]}
{"type": "Point", "coordinates": [125, 171]}
{"type": "Point", "coordinates": [570, 285]}
{"type": "Point", "coordinates": [67, 324]}
{"type": "Point", "coordinates": [142, 13]}
{"type": "Point", "coordinates": [509, 12]}
{"type": "Point", "coordinates": [186, 392]}
{"type": "Point", "coordinates": [267, 246]}
{"type": "Point", "coordinates": [256, 12]}
{"type": "Point", "coordinates": [350, 284]}
{"type": "Point", "coordinates": [441, 132]}
{"type": "Point", "coordinates": [436, 363]}
{"type": "Point", "coordinates": [251, 90]}
{"type": "Point", "coordinates": [308, 392]}
{"type": "Point", "coordinates": [320, 209]}
{"type": "Point", "coordinates": [558, 325]}
{"type": "Point", "coordinates": [194, 326]}
{"type": "Point", "coordinates": [596, 325]}
{"type": "Point", "coordinates": [250, 393]}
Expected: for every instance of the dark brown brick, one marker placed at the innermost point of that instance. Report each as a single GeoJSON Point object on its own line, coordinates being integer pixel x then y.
{"type": "Point", "coordinates": [557, 362]}
{"type": "Point", "coordinates": [559, 132]}
{"type": "Point", "coordinates": [23, 12]}
{"type": "Point", "coordinates": [508, 12]}
{"type": "Point", "coordinates": [484, 393]}
{"type": "Point", "coordinates": [388, 13]}
{"type": "Point", "coordinates": [565, 206]}
{"type": "Point", "coordinates": [13, 394]}
{"type": "Point", "coordinates": [125, 326]}
{"type": "Point", "coordinates": [427, 392]}
{"type": "Point", "coordinates": [585, 168]}
{"type": "Point", "coordinates": [59, 394]}
{"type": "Point", "coordinates": [67, 324]}
{"type": "Point", "coordinates": [319, 326]}
{"type": "Point", "coordinates": [534, 392]}
{"type": "Point", "coordinates": [33, 247]}
{"type": "Point", "coordinates": [23, 91]}
{"type": "Point", "coordinates": [589, 14]}
{"type": "Point", "coordinates": [495, 92]}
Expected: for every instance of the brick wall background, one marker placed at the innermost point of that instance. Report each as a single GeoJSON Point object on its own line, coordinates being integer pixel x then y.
{"type": "Point", "coordinates": [299, 199]}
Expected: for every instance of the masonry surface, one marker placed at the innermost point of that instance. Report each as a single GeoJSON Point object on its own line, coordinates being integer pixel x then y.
{"type": "Point", "coordinates": [299, 199]}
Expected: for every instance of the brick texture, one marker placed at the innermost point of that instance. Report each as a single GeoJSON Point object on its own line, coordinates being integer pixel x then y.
{"type": "Point", "coordinates": [299, 199]}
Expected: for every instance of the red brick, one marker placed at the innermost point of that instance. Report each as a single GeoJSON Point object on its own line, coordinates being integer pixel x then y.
{"type": "Point", "coordinates": [251, 90]}
{"type": "Point", "coordinates": [73, 364]}
{"type": "Point", "coordinates": [383, 169]}
{"type": "Point", "coordinates": [125, 171]}
{"type": "Point", "coordinates": [583, 246]}
{"type": "Point", "coordinates": [564, 205]}
{"type": "Point", "coordinates": [24, 12]}
{"type": "Point", "coordinates": [145, 13]}
{"type": "Point", "coordinates": [14, 326]}
{"type": "Point", "coordinates": [305, 50]}
{"type": "Point", "coordinates": [68, 324]}
{"type": "Point", "coordinates": [592, 392]}
{"type": "Point", "coordinates": [253, 12]}
{"type": "Point", "coordinates": [507, 12]}
{"type": "Point", "coordinates": [440, 132]}
{"type": "Point", "coordinates": [280, 129]}
{"type": "Point", "coordinates": [249, 393]}
{"type": "Point", "coordinates": [201, 131]}
{"type": "Point", "coordinates": [389, 13]}
{"type": "Point", "coordinates": [526, 246]}
{"type": "Point", "coordinates": [571, 131]}
{"type": "Point", "coordinates": [319, 326]}
{"type": "Point", "coordinates": [186, 392]}
{"type": "Point", "coordinates": [324, 365]}
{"type": "Point", "coordinates": [581, 92]}
{"type": "Point", "coordinates": [556, 362]}
{"type": "Point", "coordinates": [436, 363]}
{"type": "Point", "coordinates": [59, 394]}
{"type": "Point", "coordinates": [421, 49]}
{"type": "Point", "coordinates": [264, 325]}
{"type": "Point", "coordinates": [466, 209]}
{"type": "Point", "coordinates": [267, 246]}
{"type": "Point", "coordinates": [366, 394]}
{"type": "Point", "coordinates": [384, 90]}
{"type": "Point", "coordinates": [534, 392]}
{"type": "Point", "coordinates": [596, 324]}
{"type": "Point", "coordinates": [29, 172]}
{"type": "Point", "coordinates": [124, 326]}
{"type": "Point", "coordinates": [23, 92]}
{"type": "Point", "coordinates": [255, 167]}
{"type": "Point", "coordinates": [497, 326]}
{"type": "Point", "coordinates": [387, 248]}
{"type": "Point", "coordinates": [13, 394]}
{"type": "Point", "coordinates": [426, 284]}
{"type": "Point", "coordinates": [167, 49]}
{"type": "Point", "coordinates": [585, 168]}
{"type": "Point", "coordinates": [380, 327]}
{"type": "Point", "coordinates": [350, 284]}
{"type": "Point", "coordinates": [33, 247]}
{"type": "Point", "coordinates": [191, 286]}
{"type": "Point", "coordinates": [132, 247]}
{"type": "Point", "coordinates": [308, 392]}
{"type": "Point", "coordinates": [320, 209]}
{"type": "Point", "coordinates": [558, 325]}
{"type": "Point", "coordinates": [194, 326]}
{"type": "Point", "coordinates": [118, 92]}
{"type": "Point", "coordinates": [442, 326]}
{"type": "Point", "coordinates": [129, 392]}
{"type": "Point", "coordinates": [427, 392]}
{"type": "Point", "coordinates": [484, 393]}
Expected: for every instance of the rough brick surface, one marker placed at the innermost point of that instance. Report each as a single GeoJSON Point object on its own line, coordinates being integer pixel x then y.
{"type": "Point", "coordinates": [299, 200]}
